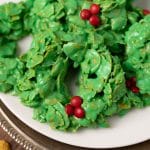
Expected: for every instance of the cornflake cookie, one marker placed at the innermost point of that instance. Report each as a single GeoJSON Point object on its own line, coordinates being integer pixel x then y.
{"type": "Point", "coordinates": [105, 42]}
{"type": "Point", "coordinates": [4, 145]}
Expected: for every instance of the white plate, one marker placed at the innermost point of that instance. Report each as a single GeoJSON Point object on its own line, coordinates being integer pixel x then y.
{"type": "Point", "coordinates": [132, 128]}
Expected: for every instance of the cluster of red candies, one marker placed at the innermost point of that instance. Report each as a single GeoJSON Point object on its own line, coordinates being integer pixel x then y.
{"type": "Point", "coordinates": [146, 12]}
{"type": "Point", "coordinates": [131, 84]}
{"type": "Point", "coordinates": [74, 108]}
{"type": "Point", "coordinates": [91, 15]}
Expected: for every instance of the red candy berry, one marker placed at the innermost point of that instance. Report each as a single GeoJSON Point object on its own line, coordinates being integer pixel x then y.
{"type": "Point", "coordinates": [131, 84]}
{"type": "Point", "coordinates": [133, 81]}
{"type": "Point", "coordinates": [85, 14]}
{"type": "Point", "coordinates": [146, 12]}
{"type": "Point", "coordinates": [135, 89]}
{"type": "Point", "coordinates": [94, 9]}
{"type": "Point", "coordinates": [69, 109]}
{"type": "Point", "coordinates": [74, 108]}
{"type": "Point", "coordinates": [94, 21]}
{"type": "Point", "coordinates": [79, 112]}
{"type": "Point", "coordinates": [76, 101]}
{"type": "Point", "coordinates": [128, 84]}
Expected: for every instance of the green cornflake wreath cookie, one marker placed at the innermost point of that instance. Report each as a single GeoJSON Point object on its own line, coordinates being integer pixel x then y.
{"type": "Point", "coordinates": [105, 42]}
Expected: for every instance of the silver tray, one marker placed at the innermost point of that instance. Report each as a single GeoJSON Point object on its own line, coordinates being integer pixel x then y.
{"type": "Point", "coordinates": [32, 140]}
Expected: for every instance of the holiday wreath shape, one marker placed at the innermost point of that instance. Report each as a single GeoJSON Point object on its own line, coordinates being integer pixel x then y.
{"type": "Point", "coordinates": [106, 42]}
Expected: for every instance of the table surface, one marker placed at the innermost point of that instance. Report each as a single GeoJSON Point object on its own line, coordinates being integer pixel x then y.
{"type": "Point", "coordinates": [15, 146]}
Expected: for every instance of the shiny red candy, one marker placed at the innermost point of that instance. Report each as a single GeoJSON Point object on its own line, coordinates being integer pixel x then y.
{"type": "Point", "coordinates": [76, 101]}
{"type": "Point", "coordinates": [128, 84]}
{"type": "Point", "coordinates": [95, 9]}
{"type": "Point", "coordinates": [146, 12]}
{"type": "Point", "coordinates": [94, 21]}
{"type": "Point", "coordinates": [69, 109]}
{"type": "Point", "coordinates": [133, 81]}
{"type": "Point", "coordinates": [74, 108]}
{"type": "Point", "coordinates": [91, 15]}
{"type": "Point", "coordinates": [79, 112]}
{"type": "Point", "coordinates": [131, 84]}
{"type": "Point", "coordinates": [85, 14]}
{"type": "Point", "coordinates": [135, 89]}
